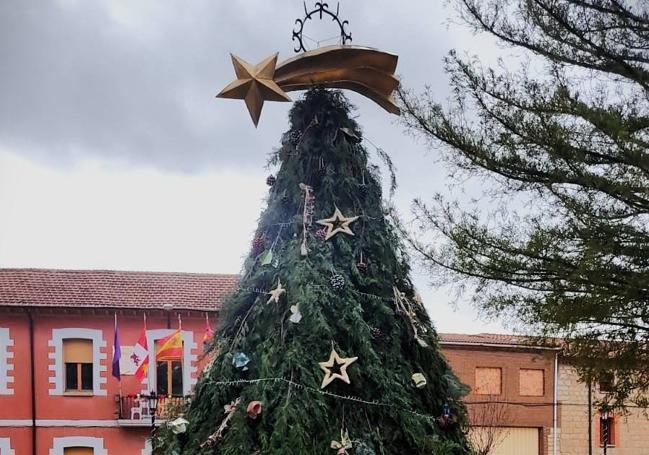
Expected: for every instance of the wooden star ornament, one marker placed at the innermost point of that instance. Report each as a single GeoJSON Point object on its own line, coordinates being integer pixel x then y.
{"type": "Point", "coordinates": [336, 360]}
{"type": "Point", "coordinates": [276, 293]}
{"type": "Point", "coordinates": [254, 84]}
{"type": "Point", "coordinates": [337, 223]}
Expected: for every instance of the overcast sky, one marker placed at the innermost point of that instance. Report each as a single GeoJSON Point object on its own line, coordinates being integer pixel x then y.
{"type": "Point", "coordinates": [114, 153]}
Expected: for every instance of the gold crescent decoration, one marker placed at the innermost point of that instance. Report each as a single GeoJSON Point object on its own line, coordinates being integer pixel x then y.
{"type": "Point", "coordinates": [364, 70]}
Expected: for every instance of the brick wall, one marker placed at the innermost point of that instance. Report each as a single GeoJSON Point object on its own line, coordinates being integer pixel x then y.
{"type": "Point", "coordinates": [521, 410]}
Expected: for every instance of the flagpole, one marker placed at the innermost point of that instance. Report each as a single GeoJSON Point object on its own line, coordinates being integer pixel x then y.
{"type": "Point", "coordinates": [148, 383]}
{"type": "Point", "coordinates": [120, 379]}
{"type": "Point", "coordinates": [182, 348]}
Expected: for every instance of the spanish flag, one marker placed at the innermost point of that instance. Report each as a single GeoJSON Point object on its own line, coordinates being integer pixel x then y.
{"type": "Point", "coordinates": [170, 347]}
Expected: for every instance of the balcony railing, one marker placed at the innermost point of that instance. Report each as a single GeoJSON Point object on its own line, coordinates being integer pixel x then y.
{"type": "Point", "coordinates": [134, 410]}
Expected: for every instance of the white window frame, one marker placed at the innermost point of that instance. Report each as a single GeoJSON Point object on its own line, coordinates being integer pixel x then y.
{"type": "Point", "coordinates": [5, 447]}
{"type": "Point", "coordinates": [189, 360]}
{"type": "Point", "coordinates": [6, 368]}
{"type": "Point", "coordinates": [57, 381]}
{"type": "Point", "coordinates": [96, 444]}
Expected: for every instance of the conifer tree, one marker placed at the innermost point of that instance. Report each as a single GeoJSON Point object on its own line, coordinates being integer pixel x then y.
{"type": "Point", "coordinates": [564, 142]}
{"type": "Point", "coordinates": [341, 287]}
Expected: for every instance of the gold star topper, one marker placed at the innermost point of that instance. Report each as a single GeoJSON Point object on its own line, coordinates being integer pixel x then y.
{"type": "Point", "coordinates": [254, 84]}
{"type": "Point", "coordinates": [276, 293]}
{"type": "Point", "coordinates": [336, 360]}
{"type": "Point", "coordinates": [364, 70]}
{"type": "Point", "coordinates": [337, 223]}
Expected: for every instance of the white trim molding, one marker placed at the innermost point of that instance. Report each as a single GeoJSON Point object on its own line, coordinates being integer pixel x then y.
{"type": "Point", "coordinates": [60, 444]}
{"type": "Point", "coordinates": [5, 447]}
{"type": "Point", "coordinates": [6, 368]}
{"type": "Point", "coordinates": [98, 358]}
{"type": "Point", "coordinates": [148, 450]}
{"type": "Point", "coordinates": [189, 360]}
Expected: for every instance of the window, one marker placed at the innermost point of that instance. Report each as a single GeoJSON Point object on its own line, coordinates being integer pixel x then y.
{"type": "Point", "coordinates": [531, 382]}
{"type": "Point", "coordinates": [169, 375]}
{"type": "Point", "coordinates": [607, 429]}
{"type": "Point", "coordinates": [488, 381]}
{"type": "Point", "coordinates": [77, 356]}
{"type": "Point", "coordinates": [606, 382]}
{"type": "Point", "coordinates": [78, 451]}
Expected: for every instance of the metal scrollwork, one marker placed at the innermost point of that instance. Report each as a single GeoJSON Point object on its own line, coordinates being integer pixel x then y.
{"type": "Point", "coordinates": [320, 9]}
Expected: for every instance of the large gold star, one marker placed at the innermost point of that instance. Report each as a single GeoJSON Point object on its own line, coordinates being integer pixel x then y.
{"type": "Point", "coordinates": [335, 359]}
{"type": "Point", "coordinates": [254, 84]}
{"type": "Point", "coordinates": [337, 223]}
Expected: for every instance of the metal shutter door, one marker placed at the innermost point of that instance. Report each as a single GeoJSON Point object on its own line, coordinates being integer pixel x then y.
{"type": "Point", "coordinates": [519, 441]}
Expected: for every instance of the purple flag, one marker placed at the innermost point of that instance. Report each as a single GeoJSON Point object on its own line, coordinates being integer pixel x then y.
{"type": "Point", "coordinates": [117, 352]}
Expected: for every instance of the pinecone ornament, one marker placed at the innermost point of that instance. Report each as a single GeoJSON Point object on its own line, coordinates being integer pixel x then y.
{"type": "Point", "coordinates": [362, 267]}
{"type": "Point", "coordinates": [294, 137]}
{"type": "Point", "coordinates": [258, 244]}
{"type": "Point", "coordinates": [285, 200]}
{"type": "Point", "coordinates": [377, 333]}
{"type": "Point", "coordinates": [337, 282]}
{"type": "Point", "coordinates": [270, 180]}
{"type": "Point", "coordinates": [364, 190]}
{"type": "Point", "coordinates": [322, 170]}
{"type": "Point", "coordinates": [321, 234]}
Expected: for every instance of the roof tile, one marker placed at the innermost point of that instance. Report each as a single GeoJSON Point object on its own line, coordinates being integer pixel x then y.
{"type": "Point", "coordinates": [114, 289]}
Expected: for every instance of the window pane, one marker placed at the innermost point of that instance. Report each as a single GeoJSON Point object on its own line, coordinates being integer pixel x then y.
{"type": "Point", "coordinates": [607, 431]}
{"type": "Point", "coordinates": [606, 382]}
{"type": "Point", "coordinates": [161, 378]}
{"type": "Point", "coordinates": [487, 381]}
{"type": "Point", "coordinates": [86, 376]}
{"type": "Point", "coordinates": [531, 382]}
{"type": "Point", "coordinates": [177, 378]}
{"type": "Point", "coordinates": [71, 376]}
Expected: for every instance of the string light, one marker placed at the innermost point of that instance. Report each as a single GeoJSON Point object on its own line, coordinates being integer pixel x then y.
{"type": "Point", "coordinates": [297, 385]}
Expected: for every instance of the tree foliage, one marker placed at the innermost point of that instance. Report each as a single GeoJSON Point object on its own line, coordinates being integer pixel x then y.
{"type": "Point", "coordinates": [565, 132]}
{"type": "Point", "coordinates": [381, 409]}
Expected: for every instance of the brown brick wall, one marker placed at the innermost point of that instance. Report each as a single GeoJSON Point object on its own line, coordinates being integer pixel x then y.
{"type": "Point", "coordinates": [519, 410]}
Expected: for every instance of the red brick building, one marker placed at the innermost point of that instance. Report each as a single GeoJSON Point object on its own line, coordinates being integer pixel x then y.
{"type": "Point", "coordinates": [57, 395]}
{"type": "Point", "coordinates": [512, 390]}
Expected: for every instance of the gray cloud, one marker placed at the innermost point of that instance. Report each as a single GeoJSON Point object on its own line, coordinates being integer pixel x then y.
{"type": "Point", "coordinates": [135, 81]}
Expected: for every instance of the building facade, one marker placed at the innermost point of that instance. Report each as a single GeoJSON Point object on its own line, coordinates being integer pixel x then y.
{"type": "Point", "coordinates": [58, 397]}
{"type": "Point", "coordinates": [517, 399]}
{"type": "Point", "coordinates": [57, 394]}
{"type": "Point", "coordinates": [511, 399]}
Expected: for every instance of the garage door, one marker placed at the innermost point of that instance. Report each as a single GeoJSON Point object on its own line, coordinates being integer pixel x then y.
{"type": "Point", "coordinates": [510, 441]}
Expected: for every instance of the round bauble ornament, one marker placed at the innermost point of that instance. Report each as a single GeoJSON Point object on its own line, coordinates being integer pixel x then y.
{"type": "Point", "coordinates": [271, 180]}
{"type": "Point", "coordinates": [337, 282]}
{"type": "Point", "coordinates": [254, 409]}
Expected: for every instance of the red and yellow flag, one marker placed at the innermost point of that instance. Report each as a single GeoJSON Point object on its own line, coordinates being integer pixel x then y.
{"type": "Point", "coordinates": [170, 347]}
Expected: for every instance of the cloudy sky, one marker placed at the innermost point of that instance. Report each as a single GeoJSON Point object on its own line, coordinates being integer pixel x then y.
{"type": "Point", "coordinates": [114, 153]}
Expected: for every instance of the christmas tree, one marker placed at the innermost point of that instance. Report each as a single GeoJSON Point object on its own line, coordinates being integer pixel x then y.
{"type": "Point", "coordinates": [324, 348]}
